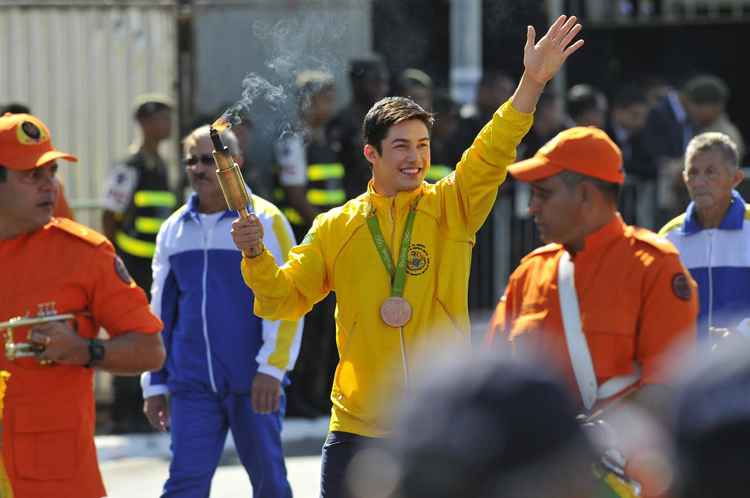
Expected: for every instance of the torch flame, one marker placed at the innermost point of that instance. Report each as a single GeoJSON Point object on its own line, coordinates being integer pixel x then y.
{"type": "Point", "coordinates": [221, 124]}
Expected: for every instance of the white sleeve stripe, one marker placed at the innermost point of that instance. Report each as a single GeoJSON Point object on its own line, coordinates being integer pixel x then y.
{"type": "Point", "coordinates": [281, 339]}
{"type": "Point", "coordinates": [160, 266]}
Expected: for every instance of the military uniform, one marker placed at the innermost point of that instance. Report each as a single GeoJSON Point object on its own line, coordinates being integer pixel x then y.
{"type": "Point", "coordinates": [314, 165]}
{"type": "Point", "coordinates": [138, 194]}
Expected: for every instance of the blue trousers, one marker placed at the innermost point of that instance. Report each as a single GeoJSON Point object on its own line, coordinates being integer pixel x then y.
{"type": "Point", "coordinates": [199, 425]}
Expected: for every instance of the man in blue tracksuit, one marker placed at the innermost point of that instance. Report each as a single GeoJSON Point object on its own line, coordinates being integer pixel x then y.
{"type": "Point", "coordinates": [225, 366]}
{"type": "Point", "coordinates": [713, 235]}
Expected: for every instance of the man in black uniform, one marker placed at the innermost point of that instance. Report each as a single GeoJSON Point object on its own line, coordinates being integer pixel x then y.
{"type": "Point", "coordinates": [311, 181]}
{"type": "Point", "coordinates": [136, 203]}
{"type": "Point", "coordinates": [369, 81]}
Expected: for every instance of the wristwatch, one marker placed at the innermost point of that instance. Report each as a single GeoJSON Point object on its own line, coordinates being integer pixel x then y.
{"type": "Point", "coordinates": [96, 352]}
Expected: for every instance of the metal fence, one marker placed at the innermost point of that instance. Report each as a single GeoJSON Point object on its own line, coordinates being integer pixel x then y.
{"type": "Point", "coordinates": [79, 65]}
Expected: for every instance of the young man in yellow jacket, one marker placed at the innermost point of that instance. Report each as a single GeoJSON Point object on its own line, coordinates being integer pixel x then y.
{"type": "Point", "coordinates": [398, 256]}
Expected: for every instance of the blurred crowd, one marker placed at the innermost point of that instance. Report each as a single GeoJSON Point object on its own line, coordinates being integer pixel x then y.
{"type": "Point", "coordinates": [318, 164]}
{"type": "Point", "coordinates": [665, 318]}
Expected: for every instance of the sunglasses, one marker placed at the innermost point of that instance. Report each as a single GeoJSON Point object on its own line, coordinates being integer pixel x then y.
{"type": "Point", "coordinates": [206, 159]}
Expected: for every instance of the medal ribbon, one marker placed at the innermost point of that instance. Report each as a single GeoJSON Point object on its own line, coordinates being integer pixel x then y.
{"type": "Point", "coordinates": [398, 274]}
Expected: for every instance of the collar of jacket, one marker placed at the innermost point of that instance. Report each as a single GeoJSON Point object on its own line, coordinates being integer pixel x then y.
{"type": "Point", "coordinates": [601, 238]}
{"type": "Point", "coordinates": [400, 201]}
{"type": "Point", "coordinates": [733, 219]}
{"type": "Point", "coordinates": [192, 209]}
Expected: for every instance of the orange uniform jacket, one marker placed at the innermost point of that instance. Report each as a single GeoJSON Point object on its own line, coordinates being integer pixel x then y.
{"type": "Point", "coordinates": [636, 301]}
{"type": "Point", "coordinates": [49, 410]}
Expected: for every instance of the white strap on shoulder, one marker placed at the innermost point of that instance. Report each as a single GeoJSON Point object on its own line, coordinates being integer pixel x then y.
{"type": "Point", "coordinates": [580, 357]}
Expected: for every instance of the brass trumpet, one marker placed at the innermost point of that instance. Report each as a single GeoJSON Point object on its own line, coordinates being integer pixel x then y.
{"type": "Point", "coordinates": [15, 350]}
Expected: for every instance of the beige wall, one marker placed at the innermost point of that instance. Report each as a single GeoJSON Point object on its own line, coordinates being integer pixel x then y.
{"type": "Point", "coordinates": [79, 65]}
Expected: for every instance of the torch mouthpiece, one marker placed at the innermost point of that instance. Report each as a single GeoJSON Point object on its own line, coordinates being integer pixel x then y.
{"type": "Point", "coordinates": [216, 140]}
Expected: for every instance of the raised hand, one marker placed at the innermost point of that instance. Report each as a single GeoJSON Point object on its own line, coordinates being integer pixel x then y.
{"type": "Point", "coordinates": [542, 59]}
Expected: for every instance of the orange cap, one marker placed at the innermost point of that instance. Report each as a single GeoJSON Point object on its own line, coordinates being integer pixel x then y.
{"type": "Point", "coordinates": [584, 149]}
{"type": "Point", "coordinates": [25, 143]}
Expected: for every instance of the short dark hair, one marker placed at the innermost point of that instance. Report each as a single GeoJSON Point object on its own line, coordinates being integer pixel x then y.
{"type": "Point", "coordinates": [490, 76]}
{"type": "Point", "coordinates": [443, 103]}
{"type": "Point", "coordinates": [629, 95]}
{"type": "Point", "coordinates": [149, 108]}
{"type": "Point", "coordinates": [3, 174]}
{"type": "Point", "coordinates": [367, 67]}
{"type": "Point", "coordinates": [15, 108]}
{"type": "Point", "coordinates": [582, 98]}
{"type": "Point", "coordinates": [706, 89]}
{"type": "Point", "coordinates": [609, 189]}
{"type": "Point", "coordinates": [388, 112]}
{"type": "Point", "coordinates": [548, 97]}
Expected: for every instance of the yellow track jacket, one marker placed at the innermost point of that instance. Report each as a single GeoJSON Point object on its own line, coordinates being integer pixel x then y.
{"type": "Point", "coordinates": [338, 255]}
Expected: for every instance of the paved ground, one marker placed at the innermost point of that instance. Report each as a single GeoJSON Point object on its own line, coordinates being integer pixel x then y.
{"type": "Point", "coordinates": [144, 476]}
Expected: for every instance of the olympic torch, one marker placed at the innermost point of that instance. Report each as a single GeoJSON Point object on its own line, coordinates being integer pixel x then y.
{"type": "Point", "coordinates": [230, 178]}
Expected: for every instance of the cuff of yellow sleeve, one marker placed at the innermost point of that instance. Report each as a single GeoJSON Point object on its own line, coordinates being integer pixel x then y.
{"type": "Point", "coordinates": [254, 269]}
{"type": "Point", "coordinates": [510, 113]}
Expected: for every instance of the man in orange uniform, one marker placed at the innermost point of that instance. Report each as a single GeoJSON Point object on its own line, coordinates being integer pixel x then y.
{"type": "Point", "coordinates": [632, 298]}
{"type": "Point", "coordinates": [55, 266]}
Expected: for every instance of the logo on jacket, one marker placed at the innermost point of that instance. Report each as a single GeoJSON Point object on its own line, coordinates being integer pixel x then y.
{"type": "Point", "coordinates": [681, 286]}
{"type": "Point", "coordinates": [418, 260]}
{"type": "Point", "coordinates": [122, 271]}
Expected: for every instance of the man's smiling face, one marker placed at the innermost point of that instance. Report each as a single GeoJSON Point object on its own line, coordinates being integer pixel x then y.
{"type": "Point", "coordinates": [404, 159]}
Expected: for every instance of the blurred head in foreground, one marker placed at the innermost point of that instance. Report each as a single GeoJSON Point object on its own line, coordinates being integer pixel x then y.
{"type": "Point", "coordinates": [712, 427]}
{"type": "Point", "coordinates": [481, 427]}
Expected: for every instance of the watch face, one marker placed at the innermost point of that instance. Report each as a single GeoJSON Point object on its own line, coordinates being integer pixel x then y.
{"type": "Point", "coordinates": [96, 352]}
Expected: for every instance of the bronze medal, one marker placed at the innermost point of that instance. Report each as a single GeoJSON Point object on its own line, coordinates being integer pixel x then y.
{"type": "Point", "coordinates": [395, 312]}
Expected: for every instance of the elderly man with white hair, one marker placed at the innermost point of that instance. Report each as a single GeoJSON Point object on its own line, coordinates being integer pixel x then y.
{"type": "Point", "coordinates": [713, 235]}
{"type": "Point", "coordinates": [225, 366]}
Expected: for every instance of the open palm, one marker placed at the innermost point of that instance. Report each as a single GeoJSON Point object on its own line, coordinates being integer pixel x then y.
{"type": "Point", "coordinates": [543, 59]}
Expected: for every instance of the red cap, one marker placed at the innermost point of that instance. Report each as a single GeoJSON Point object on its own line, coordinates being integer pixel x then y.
{"type": "Point", "coordinates": [25, 143]}
{"type": "Point", "coordinates": [585, 150]}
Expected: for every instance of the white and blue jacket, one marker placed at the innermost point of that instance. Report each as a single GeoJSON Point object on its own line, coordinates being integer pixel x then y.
{"type": "Point", "coordinates": [214, 342]}
{"type": "Point", "coordinates": [719, 261]}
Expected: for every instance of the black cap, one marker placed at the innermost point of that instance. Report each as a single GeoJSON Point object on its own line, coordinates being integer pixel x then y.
{"type": "Point", "coordinates": [147, 105]}
{"type": "Point", "coordinates": [367, 67]}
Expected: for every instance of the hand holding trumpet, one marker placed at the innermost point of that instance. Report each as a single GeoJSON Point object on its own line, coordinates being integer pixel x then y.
{"type": "Point", "coordinates": [60, 343]}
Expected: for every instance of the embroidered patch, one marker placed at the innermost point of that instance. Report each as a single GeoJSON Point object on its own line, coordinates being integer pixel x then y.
{"type": "Point", "coordinates": [681, 286]}
{"type": "Point", "coordinates": [122, 271]}
{"type": "Point", "coordinates": [32, 131]}
{"type": "Point", "coordinates": [418, 260]}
